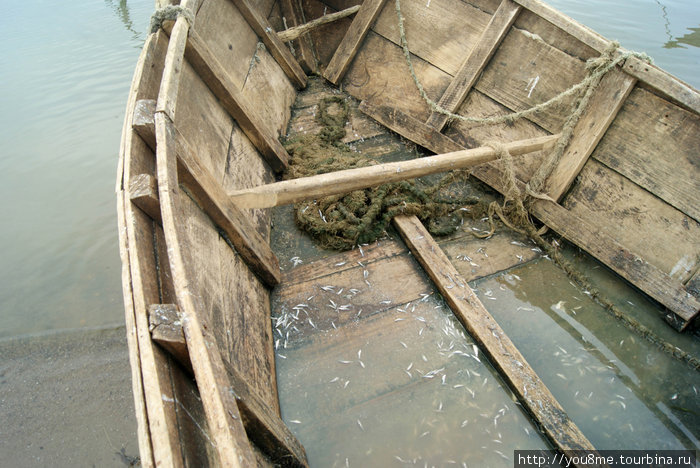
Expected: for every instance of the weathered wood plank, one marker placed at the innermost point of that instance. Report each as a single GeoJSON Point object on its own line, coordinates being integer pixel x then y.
{"type": "Point", "coordinates": [637, 219]}
{"type": "Point", "coordinates": [213, 74]}
{"type": "Point", "coordinates": [209, 193]}
{"type": "Point", "coordinates": [264, 427]}
{"type": "Point", "coordinates": [276, 47]}
{"type": "Point", "coordinates": [143, 192]}
{"type": "Point", "coordinates": [347, 50]}
{"type": "Point", "coordinates": [222, 413]}
{"type": "Point", "coordinates": [306, 188]}
{"type": "Point", "coordinates": [167, 95]}
{"type": "Point", "coordinates": [654, 144]}
{"type": "Point", "coordinates": [299, 29]}
{"type": "Point", "coordinates": [535, 396]}
{"type": "Point", "coordinates": [293, 14]}
{"type": "Point", "coordinates": [631, 266]}
{"type": "Point", "coordinates": [602, 109]}
{"type": "Point", "coordinates": [479, 56]}
{"type": "Point", "coordinates": [143, 122]}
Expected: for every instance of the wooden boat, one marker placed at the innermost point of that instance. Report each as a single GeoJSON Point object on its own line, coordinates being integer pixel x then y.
{"type": "Point", "coordinates": [200, 152]}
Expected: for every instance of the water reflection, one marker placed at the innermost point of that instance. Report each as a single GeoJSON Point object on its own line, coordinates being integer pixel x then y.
{"type": "Point", "coordinates": [692, 39]}
{"type": "Point", "coordinates": [122, 12]}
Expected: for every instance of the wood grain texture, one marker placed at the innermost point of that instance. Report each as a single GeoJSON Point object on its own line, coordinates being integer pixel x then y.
{"type": "Point", "coordinates": [213, 74]}
{"type": "Point", "coordinates": [143, 192]}
{"type": "Point", "coordinates": [355, 35]}
{"type": "Point", "coordinates": [276, 47]}
{"type": "Point", "coordinates": [655, 144]}
{"type": "Point", "coordinates": [522, 379]}
{"type": "Point", "coordinates": [475, 63]}
{"type": "Point", "coordinates": [293, 13]}
{"type": "Point", "coordinates": [666, 237]}
{"type": "Point", "coordinates": [322, 185]}
{"type": "Point", "coordinates": [227, 431]}
{"type": "Point", "coordinates": [602, 109]}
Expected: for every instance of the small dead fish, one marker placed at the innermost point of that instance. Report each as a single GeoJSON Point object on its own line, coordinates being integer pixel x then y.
{"type": "Point", "coordinates": [295, 421]}
{"type": "Point", "coordinates": [359, 423]}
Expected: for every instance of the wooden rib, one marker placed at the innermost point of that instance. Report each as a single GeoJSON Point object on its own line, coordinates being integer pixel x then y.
{"type": "Point", "coordinates": [346, 51]}
{"type": "Point", "coordinates": [294, 14]}
{"type": "Point", "coordinates": [602, 110]}
{"type": "Point", "coordinates": [663, 288]}
{"type": "Point", "coordinates": [306, 188]}
{"type": "Point", "coordinates": [167, 95]}
{"type": "Point", "coordinates": [479, 57]}
{"type": "Point", "coordinates": [273, 43]}
{"type": "Point", "coordinates": [294, 32]}
{"type": "Point", "coordinates": [263, 426]}
{"type": "Point", "coordinates": [523, 380]}
{"type": "Point", "coordinates": [644, 72]}
{"type": "Point", "coordinates": [410, 127]}
{"type": "Point", "coordinates": [218, 80]}
{"type": "Point", "coordinates": [227, 431]}
{"type": "Point", "coordinates": [143, 192]}
{"type": "Point", "coordinates": [216, 203]}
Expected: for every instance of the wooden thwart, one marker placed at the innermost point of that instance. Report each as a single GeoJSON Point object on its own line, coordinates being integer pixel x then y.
{"type": "Point", "coordinates": [479, 57]}
{"type": "Point", "coordinates": [293, 12]}
{"type": "Point", "coordinates": [277, 49]}
{"type": "Point", "coordinates": [523, 380]}
{"type": "Point", "coordinates": [346, 51]}
{"type": "Point", "coordinates": [264, 427]}
{"type": "Point", "coordinates": [306, 188]}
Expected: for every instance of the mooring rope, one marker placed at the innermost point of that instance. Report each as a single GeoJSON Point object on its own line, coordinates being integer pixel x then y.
{"type": "Point", "coordinates": [513, 212]}
{"type": "Point", "coordinates": [170, 13]}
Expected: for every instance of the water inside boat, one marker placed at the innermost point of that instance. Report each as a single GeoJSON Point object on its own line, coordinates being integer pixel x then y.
{"type": "Point", "coordinates": [373, 369]}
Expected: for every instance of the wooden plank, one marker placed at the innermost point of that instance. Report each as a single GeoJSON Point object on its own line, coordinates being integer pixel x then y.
{"type": "Point", "coordinates": [263, 426]}
{"type": "Point", "coordinates": [307, 188]}
{"type": "Point", "coordinates": [368, 13]}
{"type": "Point", "coordinates": [299, 29]}
{"type": "Point", "coordinates": [214, 75]}
{"type": "Point", "coordinates": [143, 192]}
{"type": "Point", "coordinates": [410, 127]}
{"type": "Point", "coordinates": [227, 431]}
{"type": "Point", "coordinates": [293, 14]}
{"type": "Point", "coordinates": [644, 72]}
{"type": "Point", "coordinates": [655, 144]}
{"type": "Point", "coordinates": [602, 109]}
{"type": "Point", "coordinates": [637, 219]}
{"type": "Point", "coordinates": [522, 379]}
{"type": "Point", "coordinates": [479, 56]}
{"type": "Point", "coordinates": [631, 266]}
{"type": "Point", "coordinates": [209, 193]}
{"type": "Point", "coordinates": [174, 58]}
{"type": "Point", "coordinates": [273, 43]}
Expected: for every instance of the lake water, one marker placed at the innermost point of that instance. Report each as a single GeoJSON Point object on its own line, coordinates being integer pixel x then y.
{"type": "Point", "coordinates": [65, 74]}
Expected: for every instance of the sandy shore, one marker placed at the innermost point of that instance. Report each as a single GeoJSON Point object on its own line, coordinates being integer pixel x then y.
{"type": "Point", "coordinates": [65, 400]}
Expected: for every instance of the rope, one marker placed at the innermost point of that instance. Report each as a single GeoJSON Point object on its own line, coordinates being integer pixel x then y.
{"type": "Point", "coordinates": [170, 13]}
{"type": "Point", "coordinates": [513, 212]}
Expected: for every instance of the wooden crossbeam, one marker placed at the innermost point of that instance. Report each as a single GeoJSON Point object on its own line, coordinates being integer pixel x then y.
{"type": "Point", "coordinates": [274, 45]}
{"type": "Point", "coordinates": [295, 32]}
{"type": "Point", "coordinates": [346, 51]}
{"type": "Point", "coordinates": [522, 379]}
{"type": "Point", "coordinates": [293, 13]}
{"type": "Point", "coordinates": [602, 109]}
{"type": "Point", "coordinates": [495, 31]}
{"type": "Point", "coordinates": [263, 426]}
{"type": "Point", "coordinates": [143, 192]}
{"type": "Point", "coordinates": [306, 188]}
{"type": "Point", "coordinates": [218, 80]}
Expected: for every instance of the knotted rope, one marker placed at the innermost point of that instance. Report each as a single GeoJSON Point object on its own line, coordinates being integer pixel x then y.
{"type": "Point", "coordinates": [170, 13]}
